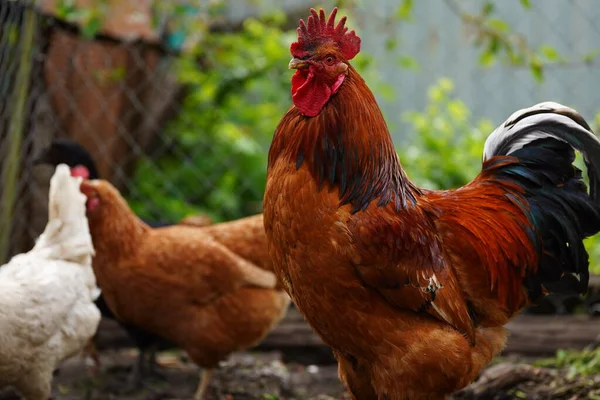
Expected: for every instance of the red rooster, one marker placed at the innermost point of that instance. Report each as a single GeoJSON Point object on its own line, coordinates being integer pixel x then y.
{"type": "Point", "coordinates": [411, 287]}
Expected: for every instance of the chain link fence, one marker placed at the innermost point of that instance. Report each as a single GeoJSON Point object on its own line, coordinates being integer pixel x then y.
{"type": "Point", "coordinates": [180, 135]}
{"type": "Point", "coordinates": [112, 95]}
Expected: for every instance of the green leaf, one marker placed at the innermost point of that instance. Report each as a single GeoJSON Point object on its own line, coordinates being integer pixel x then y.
{"type": "Point", "coordinates": [537, 69]}
{"type": "Point", "coordinates": [408, 62]}
{"type": "Point", "coordinates": [387, 93]}
{"type": "Point", "coordinates": [487, 59]}
{"type": "Point", "coordinates": [526, 3]}
{"type": "Point", "coordinates": [549, 52]}
{"type": "Point", "coordinates": [446, 85]}
{"type": "Point", "coordinates": [391, 44]}
{"type": "Point", "coordinates": [494, 45]}
{"type": "Point", "coordinates": [405, 9]}
{"type": "Point", "coordinates": [589, 57]}
{"type": "Point", "coordinates": [488, 8]}
{"type": "Point", "coordinates": [63, 389]}
{"type": "Point", "coordinates": [520, 394]}
{"type": "Point", "coordinates": [498, 24]}
{"type": "Point", "coordinates": [91, 28]}
{"type": "Point", "coordinates": [516, 58]}
{"type": "Point", "coordinates": [458, 110]}
{"type": "Point", "coordinates": [64, 9]}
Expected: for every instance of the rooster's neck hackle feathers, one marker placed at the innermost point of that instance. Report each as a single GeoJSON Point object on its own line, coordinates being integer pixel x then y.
{"type": "Point", "coordinates": [347, 146]}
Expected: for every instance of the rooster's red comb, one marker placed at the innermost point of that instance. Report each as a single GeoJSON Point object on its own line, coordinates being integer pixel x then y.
{"type": "Point", "coordinates": [319, 30]}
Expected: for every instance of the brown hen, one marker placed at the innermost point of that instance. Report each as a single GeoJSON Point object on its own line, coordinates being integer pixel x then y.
{"type": "Point", "coordinates": [179, 283]}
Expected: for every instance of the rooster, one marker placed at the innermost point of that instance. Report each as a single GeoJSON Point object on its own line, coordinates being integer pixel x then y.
{"type": "Point", "coordinates": [412, 287]}
{"type": "Point", "coordinates": [47, 310]}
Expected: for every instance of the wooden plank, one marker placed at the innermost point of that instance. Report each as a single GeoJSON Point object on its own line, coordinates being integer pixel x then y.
{"type": "Point", "coordinates": [542, 335]}
{"type": "Point", "coordinates": [530, 335]}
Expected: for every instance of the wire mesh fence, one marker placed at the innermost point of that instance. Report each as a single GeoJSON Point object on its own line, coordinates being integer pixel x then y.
{"type": "Point", "coordinates": [181, 134]}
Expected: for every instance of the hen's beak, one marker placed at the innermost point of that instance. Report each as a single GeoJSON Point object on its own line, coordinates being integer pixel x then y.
{"type": "Point", "coordinates": [296, 63]}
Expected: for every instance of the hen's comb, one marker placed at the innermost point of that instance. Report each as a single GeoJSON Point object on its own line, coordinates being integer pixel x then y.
{"type": "Point", "coordinates": [319, 30]}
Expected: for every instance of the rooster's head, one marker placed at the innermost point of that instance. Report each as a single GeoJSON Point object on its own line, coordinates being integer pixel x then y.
{"type": "Point", "coordinates": [321, 57]}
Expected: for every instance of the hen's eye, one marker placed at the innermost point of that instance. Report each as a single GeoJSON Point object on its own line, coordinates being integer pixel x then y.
{"type": "Point", "coordinates": [329, 60]}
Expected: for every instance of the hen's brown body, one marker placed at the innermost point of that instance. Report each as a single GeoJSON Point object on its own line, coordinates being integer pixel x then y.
{"type": "Point", "coordinates": [411, 287]}
{"type": "Point", "coordinates": [245, 237]}
{"type": "Point", "coordinates": [179, 283]}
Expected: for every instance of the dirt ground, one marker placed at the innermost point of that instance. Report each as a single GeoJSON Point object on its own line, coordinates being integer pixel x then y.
{"type": "Point", "coordinates": [244, 376]}
{"type": "Point", "coordinates": [254, 376]}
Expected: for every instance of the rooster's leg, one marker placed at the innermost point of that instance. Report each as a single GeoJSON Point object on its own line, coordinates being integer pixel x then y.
{"type": "Point", "coordinates": [204, 381]}
{"type": "Point", "coordinates": [135, 380]}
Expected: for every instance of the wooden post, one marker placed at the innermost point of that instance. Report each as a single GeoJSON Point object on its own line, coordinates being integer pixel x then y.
{"type": "Point", "coordinates": [15, 134]}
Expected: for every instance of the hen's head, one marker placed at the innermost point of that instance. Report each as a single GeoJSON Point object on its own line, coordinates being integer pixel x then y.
{"type": "Point", "coordinates": [102, 197]}
{"type": "Point", "coordinates": [321, 57]}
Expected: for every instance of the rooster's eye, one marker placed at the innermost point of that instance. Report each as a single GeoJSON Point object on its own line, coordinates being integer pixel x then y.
{"type": "Point", "coordinates": [329, 60]}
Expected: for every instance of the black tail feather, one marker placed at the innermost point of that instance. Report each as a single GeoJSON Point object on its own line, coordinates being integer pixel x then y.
{"type": "Point", "coordinates": [560, 210]}
{"type": "Point", "coordinates": [548, 120]}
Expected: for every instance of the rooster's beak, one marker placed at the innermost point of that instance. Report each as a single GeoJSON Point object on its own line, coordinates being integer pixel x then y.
{"type": "Point", "coordinates": [296, 63]}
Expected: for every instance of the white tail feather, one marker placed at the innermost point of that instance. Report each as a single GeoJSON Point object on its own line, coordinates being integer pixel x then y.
{"type": "Point", "coordinates": [548, 120]}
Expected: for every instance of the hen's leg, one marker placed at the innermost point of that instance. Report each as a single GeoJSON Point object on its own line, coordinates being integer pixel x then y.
{"type": "Point", "coordinates": [153, 366]}
{"type": "Point", "coordinates": [135, 380]}
{"type": "Point", "coordinates": [91, 351]}
{"type": "Point", "coordinates": [204, 381]}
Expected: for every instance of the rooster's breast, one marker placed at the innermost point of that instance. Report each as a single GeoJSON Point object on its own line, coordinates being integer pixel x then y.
{"type": "Point", "coordinates": [312, 252]}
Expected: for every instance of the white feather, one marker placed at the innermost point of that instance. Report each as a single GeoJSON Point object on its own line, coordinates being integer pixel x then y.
{"type": "Point", "coordinates": [548, 120]}
{"type": "Point", "coordinates": [512, 130]}
{"type": "Point", "coordinates": [47, 310]}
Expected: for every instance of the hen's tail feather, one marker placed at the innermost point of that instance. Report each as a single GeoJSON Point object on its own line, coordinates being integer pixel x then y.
{"type": "Point", "coordinates": [561, 212]}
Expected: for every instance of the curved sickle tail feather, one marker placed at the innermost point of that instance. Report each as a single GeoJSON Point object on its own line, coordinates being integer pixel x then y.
{"type": "Point", "coordinates": [548, 120]}
{"type": "Point", "coordinates": [542, 139]}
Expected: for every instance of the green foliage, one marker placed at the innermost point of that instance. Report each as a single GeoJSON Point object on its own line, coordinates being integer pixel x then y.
{"type": "Point", "coordinates": [405, 10]}
{"type": "Point", "coordinates": [592, 244]}
{"type": "Point", "coordinates": [446, 152]}
{"type": "Point", "coordinates": [499, 42]}
{"type": "Point", "coordinates": [216, 162]}
{"type": "Point", "coordinates": [238, 89]}
{"type": "Point", "coordinates": [89, 19]}
{"type": "Point", "coordinates": [408, 62]}
{"type": "Point", "coordinates": [584, 362]}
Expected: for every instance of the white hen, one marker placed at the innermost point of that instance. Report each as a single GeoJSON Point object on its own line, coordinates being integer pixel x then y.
{"type": "Point", "coordinates": [47, 311]}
